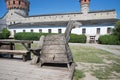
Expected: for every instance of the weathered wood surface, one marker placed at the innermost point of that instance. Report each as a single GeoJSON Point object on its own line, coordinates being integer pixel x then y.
{"type": "Point", "coordinates": [15, 41]}
{"type": "Point", "coordinates": [12, 69]}
{"type": "Point", "coordinates": [18, 52]}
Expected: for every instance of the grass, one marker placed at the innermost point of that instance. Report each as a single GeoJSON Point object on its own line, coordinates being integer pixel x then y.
{"type": "Point", "coordinates": [78, 74]}
{"type": "Point", "coordinates": [102, 73]}
{"type": "Point", "coordinates": [86, 54]}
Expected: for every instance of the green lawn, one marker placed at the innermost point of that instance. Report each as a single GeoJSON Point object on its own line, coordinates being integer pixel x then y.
{"type": "Point", "coordinates": [86, 54]}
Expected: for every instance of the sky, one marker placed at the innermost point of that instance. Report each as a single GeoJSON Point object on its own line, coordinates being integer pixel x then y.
{"type": "Point", "coordinates": [38, 7]}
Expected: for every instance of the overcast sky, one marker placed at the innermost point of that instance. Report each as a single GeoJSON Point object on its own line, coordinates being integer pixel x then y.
{"type": "Point", "coordinates": [38, 7]}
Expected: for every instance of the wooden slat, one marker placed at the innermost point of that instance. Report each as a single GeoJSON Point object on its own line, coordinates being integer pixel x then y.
{"type": "Point", "coordinates": [54, 47]}
{"type": "Point", "coordinates": [13, 51]}
{"type": "Point", "coordinates": [54, 37]}
{"type": "Point", "coordinates": [56, 55]}
{"type": "Point", "coordinates": [54, 52]}
{"type": "Point", "coordinates": [51, 60]}
{"type": "Point", "coordinates": [55, 42]}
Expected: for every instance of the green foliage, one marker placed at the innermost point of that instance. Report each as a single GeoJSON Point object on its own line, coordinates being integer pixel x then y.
{"type": "Point", "coordinates": [5, 33]}
{"type": "Point", "coordinates": [74, 38]}
{"type": "Point", "coordinates": [28, 36]}
{"type": "Point", "coordinates": [116, 30]}
{"type": "Point", "coordinates": [0, 35]}
{"type": "Point", "coordinates": [35, 36]}
{"type": "Point", "coordinates": [78, 74]}
{"type": "Point", "coordinates": [109, 39]}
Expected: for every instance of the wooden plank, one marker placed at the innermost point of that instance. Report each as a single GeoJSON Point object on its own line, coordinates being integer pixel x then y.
{"type": "Point", "coordinates": [54, 47]}
{"type": "Point", "coordinates": [19, 52]}
{"type": "Point", "coordinates": [51, 60]}
{"type": "Point", "coordinates": [56, 55]}
{"type": "Point", "coordinates": [53, 52]}
{"type": "Point", "coordinates": [55, 42]}
{"type": "Point", "coordinates": [54, 37]}
{"type": "Point", "coordinates": [15, 41]}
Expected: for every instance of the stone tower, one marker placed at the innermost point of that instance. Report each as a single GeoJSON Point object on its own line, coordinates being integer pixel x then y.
{"type": "Point", "coordinates": [19, 6]}
{"type": "Point", "coordinates": [84, 6]}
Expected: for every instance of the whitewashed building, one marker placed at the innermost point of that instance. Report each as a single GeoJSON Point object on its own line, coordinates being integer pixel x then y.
{"type": "Point", "coordinates": [94, 23]}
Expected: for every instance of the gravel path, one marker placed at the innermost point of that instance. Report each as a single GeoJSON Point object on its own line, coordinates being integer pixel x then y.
{"type": "Point", "coordinates": [12, 69]}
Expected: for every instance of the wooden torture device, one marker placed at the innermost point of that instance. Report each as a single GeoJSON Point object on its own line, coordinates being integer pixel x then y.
{"type": "Point", "coordinates": [54, 48]}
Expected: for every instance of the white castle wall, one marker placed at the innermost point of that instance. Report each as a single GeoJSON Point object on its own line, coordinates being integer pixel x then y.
{"type": "Point", "coordinates": [60, 17]}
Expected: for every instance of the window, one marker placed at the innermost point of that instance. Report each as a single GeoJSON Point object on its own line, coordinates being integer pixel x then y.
{"type": "Point", "coordinates": [98, 30]}
{"type": "Point", "coordinates": [59, 30]}
{"type": "Point", "coordinates": [31, 30]}
{"type": "Point", "coordinates": [10, 23]}
{"type": "Point", "coordinates": [13, 2]}
{"type": "Point", "coordinates": [9, 2]}
{"type": "Point", "coordinates": [14, 22]}
{"type": "Point", "coordinates": [85, 0]}
{"type": "Point", "coordinates": [40, 30]}
{"type": "Point", "coordinates": [23, 30]}
{"type": "Point", "coordinates": [49, 31]}
{"type": "Point", "coordinates": [19, 2]}
{"type": "Point", "coordinates": [83, 31]}
{"type": "Point", "coordinates": [108, 30]}
{"type": "Point", "coordinates": [14, 31]}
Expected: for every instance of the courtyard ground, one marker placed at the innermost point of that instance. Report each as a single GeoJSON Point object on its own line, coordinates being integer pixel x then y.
{"type": "Point", "coordinates": [97, 62]}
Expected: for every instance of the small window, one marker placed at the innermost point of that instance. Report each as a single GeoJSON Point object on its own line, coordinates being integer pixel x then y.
{"type": "Point", "coordinates": [83, 31]}
{"type": "Point", "coordinates": [59, 30]}
{"type": "Point", "coordinates": [109, 30]}
{"type": "Point", "coordinates": [32, 30]}
{"type": "Point", "coordinates": [40, 30]}
{"type": "Point", "coordinates": [23, 30]}
{"type": "Point", "coordinates": [49, 31]}
{"type": "Point", "coordinates": [13, 2]}
{"type": "Point", "coordinates": [14, 22]}
{"type": "Point", "coordinates": [9, 2]}
{"type": "Point", "coordinates": [98, 30]}
{"type": "Point", "coordinates": [10, 23]}
{"type": "Point", "coordinates": [14, 31]}
{"type": "Point", "coordinates": [19, 2]}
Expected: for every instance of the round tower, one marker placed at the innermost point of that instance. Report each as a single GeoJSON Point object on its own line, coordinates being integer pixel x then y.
{"type": "Point", "coordinates": [19, 6]}
{"type": "Point", "coordinates": [84, 6]}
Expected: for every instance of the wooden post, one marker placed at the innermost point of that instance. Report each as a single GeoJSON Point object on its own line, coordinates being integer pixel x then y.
{"type": "Point", "coordinates": [29, 53]}
{"type": "Point", "coordinates": [12, 47]}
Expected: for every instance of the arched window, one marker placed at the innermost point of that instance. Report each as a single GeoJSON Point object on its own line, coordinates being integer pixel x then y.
{"type": "Point", "coordinates": [19, 2]}
{"type": "Point", "coordinates": [13, 2]}
{"type": "Point", "coordinates": [9, 2]}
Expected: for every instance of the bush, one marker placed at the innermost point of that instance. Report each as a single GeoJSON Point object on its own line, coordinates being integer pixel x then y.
{"type": "Point", "coordinates": [109, 39]}
{"type": "Point", "coordinates": [74, 38]}
{"type": "Point", "coordinates": [5, 33]}
{"type": "Point", "coordinates": [116, 30]}
{"type": "Point", "coordinates": [0, 35]}
{"type": "Point", "coordinates": [28, 36]}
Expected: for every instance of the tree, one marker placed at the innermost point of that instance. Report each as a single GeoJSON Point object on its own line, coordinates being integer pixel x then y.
{"type": "Point", "coordinates": [116, 30]}
{"type": "Point", "coordinates": [5, 33]}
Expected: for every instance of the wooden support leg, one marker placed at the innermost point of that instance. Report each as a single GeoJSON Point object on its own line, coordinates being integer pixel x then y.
{"type": "Point", "coordinates": [68, 65]}
{"type": "Point", "coordinates": [34, 60]}
{"type": "Point", "coordinates": [40, 64]}
{"type": "Point", "coordinates": [11, 56]}
{"type": "Point", "coordinates": [24, 58]}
